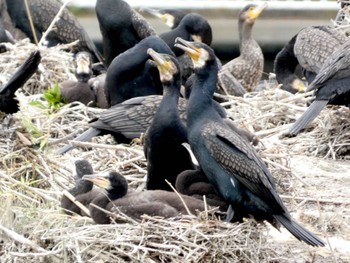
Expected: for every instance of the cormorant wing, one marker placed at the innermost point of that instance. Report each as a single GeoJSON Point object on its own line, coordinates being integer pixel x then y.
{"type": "Point", "coordinates": [142, 26]}
{"type": "Point", "coordinates": [240, 160]}
{"type": "Point", "coordinates": [22, 74]}
{"type": "Point", "coordinates": [337, 65]}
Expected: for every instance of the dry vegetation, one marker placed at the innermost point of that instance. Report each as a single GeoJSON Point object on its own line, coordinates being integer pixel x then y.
{"type": "Point", "coordinates": [311, 171]}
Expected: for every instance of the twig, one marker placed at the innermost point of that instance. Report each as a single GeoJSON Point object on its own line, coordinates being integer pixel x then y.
{"type": "Point", "coordinates": [76, 202]}
{"type": "Point", "coordinates": [31, 22]}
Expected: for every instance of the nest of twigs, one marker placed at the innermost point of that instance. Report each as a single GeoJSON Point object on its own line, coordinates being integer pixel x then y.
{"type": "Point", "coordinates": [34, 228]}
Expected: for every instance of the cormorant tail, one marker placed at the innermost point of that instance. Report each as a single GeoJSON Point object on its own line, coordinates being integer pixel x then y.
{"type": "Point", "coordinates": [299, 231]}
{"type": "Point", "coordinates": [85, 136]}
{"type": "Point", "coordinates": [308, 116]}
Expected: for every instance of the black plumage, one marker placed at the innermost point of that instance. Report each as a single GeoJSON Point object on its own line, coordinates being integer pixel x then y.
{"type": "Point", "coordinates": [229, 162]}
{"type": "Point", "coordinates": [67, 28]}
{"type": "Point", "coordinates": [309, 48]}
{"type": "Point", "coordinates": [121, 27]}
{"type": "Point", "coordinates": [135, 204]}
{"type": "Point", "coordinates": [82, 191]}
{"type": "Point", "coordinates": [131, 74]}
{"type": "Point", "coordinates": [331, 86]}
{"type": "Point", "coordinates": [247, 68]}
{"type": "Point", "coordinates": [166, 157]}
{"type": "Point", "coordinates": [8, 102]}
{"type": "Point", "coordinates": [79, 89]}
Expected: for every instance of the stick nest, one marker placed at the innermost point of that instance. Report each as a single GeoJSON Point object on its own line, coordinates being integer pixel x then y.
{"type": "Point", "coordinates": [33, 178]}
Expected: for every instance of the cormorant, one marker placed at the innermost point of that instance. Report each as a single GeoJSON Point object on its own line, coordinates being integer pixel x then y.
{"type": "Point", "coordinates": [230, 162]}
{"type": "Point", "coordinates": [135, 204]}
{"type": "Point", "coordinates": [248, 67]}
{"type": "Point", "coordinates": [79, 90]}
{"type": "Point", "coordinates": [331, 86]}
{"type": "Point", "coordinates": [309, 48]}
{"type": "Point", "coordinates": [8, 103]}
{"type": "Point", "coordinates": [166, 157]}
{"type": "Point", "coordinates": [67, 29]}
{"type": "Point", "coordinates": [82, 191]}
{"type": "Point", "coordinates": [121, 27]}
{"type": "Point", "coordinates": [131, 74]}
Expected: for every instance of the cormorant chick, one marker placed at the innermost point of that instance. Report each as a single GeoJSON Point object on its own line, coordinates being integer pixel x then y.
{"type": "Point", "coordinates": [79, 90]}
{"type": "Point", "coordinates": [135, 204]}
{"type": "Point", "coordinates": [8, 103]}
{"type": "Point", "coordinates": [82, 191]}
{"type": "Point", "coordinates": [230, 162]}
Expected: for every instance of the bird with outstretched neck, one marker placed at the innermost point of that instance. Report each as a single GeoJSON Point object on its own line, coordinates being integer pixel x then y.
{"type": "Point", "coordinates": [231, 164]}
{"type": "Point", "coordinates": [166, 157]}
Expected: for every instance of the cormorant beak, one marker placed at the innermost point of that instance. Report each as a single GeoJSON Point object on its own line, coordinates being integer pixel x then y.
{"type": "Point", "coordinates": [162, 64]}
{"type": "Point", "coordinates": [100, 180]}
{"type": "Point", "coordinates": [197, 38]}
{"type": "Point", "coordinates": [299, 86]}
{"type": "Point", "coordinates": [188, 47]}
{"type": "Point", "coordinates": [255, 12]}
{"type": "Point", "coordinates": [166, 18]}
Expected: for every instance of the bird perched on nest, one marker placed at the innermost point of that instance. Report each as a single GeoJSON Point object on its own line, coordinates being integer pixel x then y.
{"type": "Point", "coordinates": [166, 157]}
{"type": "Point", "coordinates": [248, 67]}
{"type": "Point", "coordinates": [83, 191]}
{"type": "Point", "coordinates": [136, 203]}
{"type": "Point", "coordinates": [231, 163]}
{"type": "Point", "coordinates": [121, 27]}
{"type": "Point", "coordinates": [79, 90]}
{"type": "Point", "coordinates": [8, 103]}
{"type": "Point", "coordinates": [331, 86]}
{"type": "Point", "coordinates": [309, 48]}
{"type": "Point", "coordinates": [67, 28]}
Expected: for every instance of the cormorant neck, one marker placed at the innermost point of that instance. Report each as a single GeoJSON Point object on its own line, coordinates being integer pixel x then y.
{"type": "Point", "coordinates": [245, 34]}
{"type": "Point", "coordinates": [81, 187]}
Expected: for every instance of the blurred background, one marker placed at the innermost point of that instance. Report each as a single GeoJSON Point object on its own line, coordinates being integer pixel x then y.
{"type": "Point", "coordinates": [279, 22]}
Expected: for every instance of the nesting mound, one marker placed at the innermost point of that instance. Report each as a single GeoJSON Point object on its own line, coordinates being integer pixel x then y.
{"type": "Point", "coordinates": [32, 180]}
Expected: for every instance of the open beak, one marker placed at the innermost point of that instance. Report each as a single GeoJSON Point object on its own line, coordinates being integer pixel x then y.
{"type": "Point", "coordinates": [100, 180]}
{"type": "Point", "coordinates": [188, 47]}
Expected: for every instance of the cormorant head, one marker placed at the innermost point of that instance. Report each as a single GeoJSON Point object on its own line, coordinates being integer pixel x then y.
{"type": "Point", "coordinates": [171, 17]}
{"type": "Point", "coordinates": [83, 70]}
{"type": "Point", "coordinates": [198, 27]}
{"type": "Point", "coordinates": [200, 53]}
{"type": "Point", "coordinates": [115, 184]}
{"type": "Point", "coordinates": [251, 12]}
{"type": "Point", "coordinates": [167, 65]}
{"type": "Point", "coordinates": [83, 167]}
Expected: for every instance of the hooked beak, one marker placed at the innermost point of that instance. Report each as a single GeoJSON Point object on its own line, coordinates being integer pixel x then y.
{"type": "Point", "coordinates": [100, 180]}
{"type": "Point", "coordinates": [188, 47]}
{"type": "Point", "coordinates": [253, 14]}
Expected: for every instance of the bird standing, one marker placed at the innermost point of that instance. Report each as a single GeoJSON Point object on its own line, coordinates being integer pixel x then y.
{"type": "Point", "coordinates": [231, 163]}
{"type": "Point", "coordinates": [247, 68]}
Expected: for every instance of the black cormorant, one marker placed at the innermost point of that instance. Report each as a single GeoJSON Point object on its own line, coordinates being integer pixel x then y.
{"type": "Point", "coordinates": [79, 90]}
{"type": "Point", "coordinates": [82, 191]}
{"type": "Point", "coordinates": [8, 103]}
{"type": "Point", "coordinates": [121, 27]}
{"type": "Point", "coordinates": [309, 48]}
{"type": "Point", "coordinates": [131, 75]}
{"type": "Point", "coordinates": [166, 157]}
{"type": "Point", "coordinates": [331, 86]}
{"type": "Point", "coordinates": [248, 67]}
{"type": "Point", "coordinates": [230, 162]}
{"type": "Point", "coordinates": [67, 29]}
{"type": "Point", "coordinates": [135, 204]}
